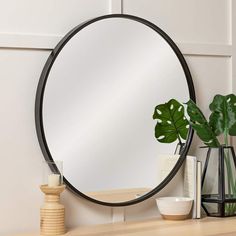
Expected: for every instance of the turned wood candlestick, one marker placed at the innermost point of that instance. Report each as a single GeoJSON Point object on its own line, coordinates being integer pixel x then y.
{"type": "Point", "coordinates": [52, 213]}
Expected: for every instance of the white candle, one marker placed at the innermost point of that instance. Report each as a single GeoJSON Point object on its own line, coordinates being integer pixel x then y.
{"type": "Point", "coordinates": [53, 180]}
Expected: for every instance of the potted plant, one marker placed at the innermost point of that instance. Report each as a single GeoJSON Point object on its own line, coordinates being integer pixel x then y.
{"type": "Point", "coordinates": [219, 173]}
{"type": "Point", "coordinates": [171, 123]}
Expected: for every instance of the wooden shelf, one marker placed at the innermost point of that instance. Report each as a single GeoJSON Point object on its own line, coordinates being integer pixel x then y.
{"type": "Point", "coordinates": [202, 227]}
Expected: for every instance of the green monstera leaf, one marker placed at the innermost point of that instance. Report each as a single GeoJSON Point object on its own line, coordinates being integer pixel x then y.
{"type": "Point", "coordinates": [223, 117]}
{"type": "Point", "coordinates": [201, 125]}
{"type": "Point", "coordinates": [171, 122]}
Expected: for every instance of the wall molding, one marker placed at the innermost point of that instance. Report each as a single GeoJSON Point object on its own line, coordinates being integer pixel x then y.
{"type": "Point", "coordinates": [206, 49]}
{"type": "Point", "coordinates": [28, 41]}
{"type": "Point", "coordinates": [116, 6]}
{"type": "Point", "coordinates": [48, 42]}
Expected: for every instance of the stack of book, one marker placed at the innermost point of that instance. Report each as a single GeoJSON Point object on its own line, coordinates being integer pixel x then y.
{"type": "Point", "coordinates": [192, 184]}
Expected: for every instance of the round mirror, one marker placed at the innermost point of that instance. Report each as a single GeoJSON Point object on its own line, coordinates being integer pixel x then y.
{"type": "Point", "coordinates": [95, 103]}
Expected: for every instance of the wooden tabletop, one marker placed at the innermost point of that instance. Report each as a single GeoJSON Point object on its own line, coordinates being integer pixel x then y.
{"type": "Point", "coordinates": [118, 195]}
{"type": "Point", "coordinates": [159, 227]}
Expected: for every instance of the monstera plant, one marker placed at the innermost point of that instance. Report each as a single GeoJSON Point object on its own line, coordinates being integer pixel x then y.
{"type": "Point", "coordinates": [221, 125]}
{"type": "Point", "coordinates": [221, 121]}
{"type": "Point", "coordinates": [171, 123]}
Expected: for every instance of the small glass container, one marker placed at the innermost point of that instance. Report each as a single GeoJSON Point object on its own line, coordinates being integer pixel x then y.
{"type": "Point", "coordinates": [53, 173]}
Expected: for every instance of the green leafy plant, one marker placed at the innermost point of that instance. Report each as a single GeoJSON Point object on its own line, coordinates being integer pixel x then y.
{"type": "Point", "coordinates": [222, 121]}
{"type": "Point", "coordinates": [223, 117]}
{"type": "Point", "coordinates": [171, 122]}
{"type": "Point", "coordinates": [201, 125]}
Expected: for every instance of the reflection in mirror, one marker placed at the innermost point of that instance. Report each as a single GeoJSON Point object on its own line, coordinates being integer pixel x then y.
{"type": "Point", "coordinates": [98, 104]}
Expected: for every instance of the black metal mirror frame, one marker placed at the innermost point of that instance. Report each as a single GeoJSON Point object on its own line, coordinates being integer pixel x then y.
{"type": "Point", "coordinates": [40, 96]}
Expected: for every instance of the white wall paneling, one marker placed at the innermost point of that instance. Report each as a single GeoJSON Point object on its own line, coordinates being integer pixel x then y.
{"type": "Point", "coordinates": [29, 30]}
{"type": "Point", "coordinates": [233, 41]}
{"type": "Point", "coordinates": [233, 58]}
{"type": "Point", "coordinates": [48, 17]}
{"type": "Point", "coordinates": [194, 21]}
{"type": "Point", "coordinates": [20, 154]}
{"type": "Point", "coordinates": [116, 6]}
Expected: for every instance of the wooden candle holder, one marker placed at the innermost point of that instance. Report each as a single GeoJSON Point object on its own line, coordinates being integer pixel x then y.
{"type": "Point", "coordinates": [52, 213]}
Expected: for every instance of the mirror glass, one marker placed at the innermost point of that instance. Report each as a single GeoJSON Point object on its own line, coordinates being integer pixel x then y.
{"type": "Point", "coordinates": [99, 97]}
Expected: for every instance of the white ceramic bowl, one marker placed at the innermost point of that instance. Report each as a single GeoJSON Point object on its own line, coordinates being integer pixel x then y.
{"type": "Point", "coordinates": [174, 208]}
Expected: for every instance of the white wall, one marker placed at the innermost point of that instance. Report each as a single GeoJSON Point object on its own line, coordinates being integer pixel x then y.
{"type": "Point", "coordinates": [30, 29]}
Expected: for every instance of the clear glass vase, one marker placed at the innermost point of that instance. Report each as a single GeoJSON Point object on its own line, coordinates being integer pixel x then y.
{"type": "Point", "coordinates": [219, 182]}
